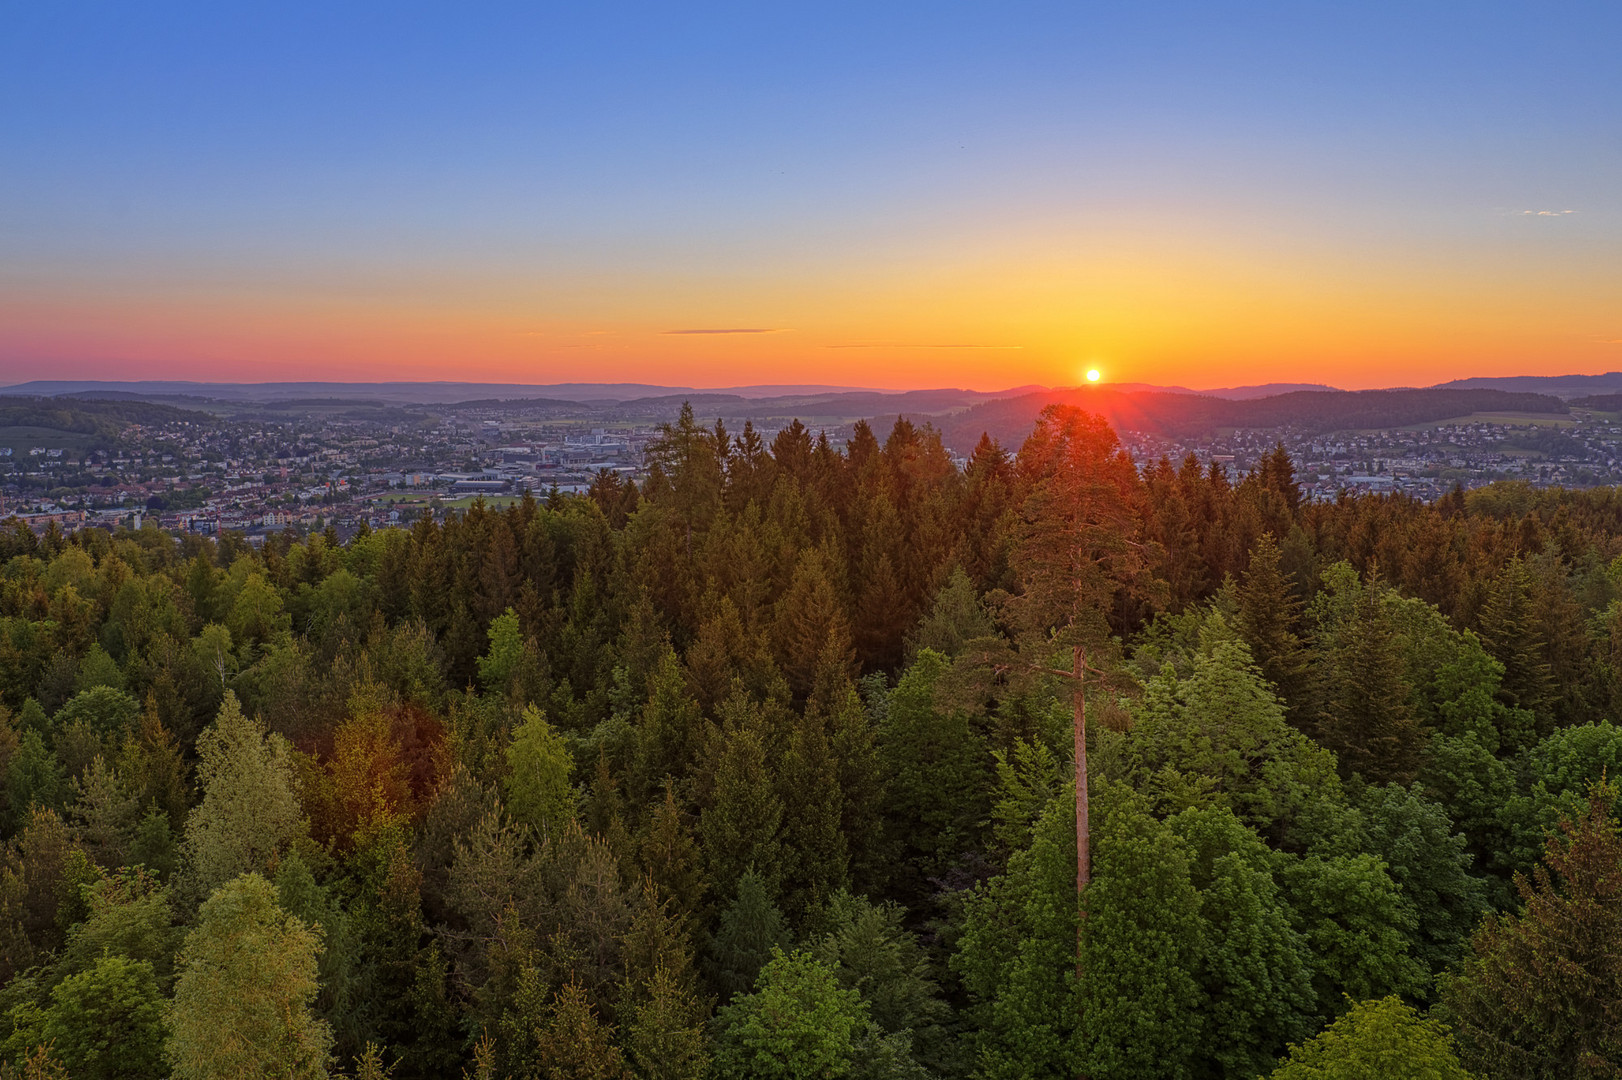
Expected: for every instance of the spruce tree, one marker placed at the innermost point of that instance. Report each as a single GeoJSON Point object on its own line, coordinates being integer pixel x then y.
{"type": "Point", "coordinates": [751, 927]}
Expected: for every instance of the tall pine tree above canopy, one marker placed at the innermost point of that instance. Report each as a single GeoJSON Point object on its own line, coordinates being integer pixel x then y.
{"type": "Point", "coordinates": [1080, 563]}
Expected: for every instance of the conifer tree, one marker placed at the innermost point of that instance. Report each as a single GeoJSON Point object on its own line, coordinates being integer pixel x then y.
{"type": "Point", "coordinates": [576, 1044]}
{"type": "Point", "coordinates": [1542, 996]}
{"type": "Point", "coordinates": [741, 827]}
{"type": "Point", "coordinates": [815, 860]}
{"type": "Point", "coordinates": [1269, 621]}
{"type": "Point", "coordinates": [750, 929]}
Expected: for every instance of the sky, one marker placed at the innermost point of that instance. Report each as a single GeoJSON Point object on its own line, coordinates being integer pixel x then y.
{"type": "Point", "coordinates": [875, 194]}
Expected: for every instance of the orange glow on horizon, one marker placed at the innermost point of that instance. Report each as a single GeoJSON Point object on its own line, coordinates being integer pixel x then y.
{"type": "Point", "coordinates": [1193, 315]}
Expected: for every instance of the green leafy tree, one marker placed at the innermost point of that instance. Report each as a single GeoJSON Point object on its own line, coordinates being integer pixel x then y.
{"type": "Point", "coordinates": [242, 1004]}
{"type": "Point", "coordinates": [798, 1023]}
{"type": "Point", "coordinates": [249, 811]}
{"type": "Point", "coordinates": [107, 1022]}
{"type": "Point", "coordinates": [537, 786]}
{"type": "Point", "coordinates": [1375, 1040]}
{"type": "Point", "coordinates": [1132, 1007]}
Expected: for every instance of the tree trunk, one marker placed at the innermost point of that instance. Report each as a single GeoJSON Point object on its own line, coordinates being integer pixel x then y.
{"type": "Point", "coordinates": [1083, 846]}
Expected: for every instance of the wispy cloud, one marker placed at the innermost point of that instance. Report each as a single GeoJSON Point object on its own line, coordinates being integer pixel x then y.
{"type": "Point", "coordinates": [1546, 213]}
{"type": "Point", "coordinates": [736, 330]}
{"type": "Point", "coordinates": [883, 345]}
{"type": "Point", "coordinates": [1608, 340]}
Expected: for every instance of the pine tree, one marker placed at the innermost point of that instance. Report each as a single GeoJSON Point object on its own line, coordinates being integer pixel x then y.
{"type": "Point", "coordinates": [1269, 621]}
{"type": "Point", "coordinates": [575, 1044]}
{"type": "Point", "coordinates": [741, 827]}
{"type": "Point", "coordinates": [815, 861]}
{"type": "Point", "coordinates": [1542, 996]}
{"type": "Point", "coordinates": [750, 929]}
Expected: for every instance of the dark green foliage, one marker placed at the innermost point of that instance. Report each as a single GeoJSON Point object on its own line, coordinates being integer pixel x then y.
{"type": "Point", "coordinates": [1542, 996]}
{"type": "Point", "coordinates": [749, 930]}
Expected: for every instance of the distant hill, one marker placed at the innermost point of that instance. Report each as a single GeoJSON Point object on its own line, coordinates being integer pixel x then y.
{"type": "Point", "coordinates": [444, 393]}
{"type": "Point", "coordinates": [1010, 420]}
{"type": "Point", "coordinates": [88, 417]}
{"type": "Point", "coordinates": [1561, 386]}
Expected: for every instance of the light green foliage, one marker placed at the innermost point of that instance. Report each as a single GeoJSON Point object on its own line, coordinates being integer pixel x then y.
{"type": "Point", "coordinates": [496, 667]}
{"type": "Point", "coordinates": [98, 669]}
{"type": "Point", "coordinates": [1256, 970]}
{"type": "Point", "coordinates": [247, 981]}
{"type": "Point", "coordinates": [129, 916]}
{"type": "Point", "coordinates": [1027, 781]}
{"type": "Point", "coordinates": [1219, 737]}
{"type": "Point", "coordinates": [257, 618]}
{"type": "Point", "coordinates": [537, 785]}
{"type": "Point", "coordinates": [1135, 1008]}
{"type": "Point", "coordinates": [1358, 926]}
{"type": "Point", "coordinates": [1142, 941]}
{"type": "Point", "coordinates": [249, 810]}
{"type": "Point", "coordinates": [1376, 1040]}
{"type": "Point", "coordinates": [798, 1023]}
{"type": "Point", "coordinates": [1559, 770]}
{"type": "Point", "coordinates": [1476, 789]}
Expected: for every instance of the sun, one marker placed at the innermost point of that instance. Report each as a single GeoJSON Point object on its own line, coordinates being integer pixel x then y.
{"type": "Point", "coordinates": [1092, 374]}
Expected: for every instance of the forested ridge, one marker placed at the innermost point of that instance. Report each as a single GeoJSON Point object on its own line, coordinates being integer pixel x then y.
{"type": "Point", "coordinates": [765, 768]}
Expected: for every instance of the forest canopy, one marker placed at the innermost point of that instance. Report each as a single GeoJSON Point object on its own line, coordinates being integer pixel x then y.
{"type": "Point", "coordinates": [766, 767]}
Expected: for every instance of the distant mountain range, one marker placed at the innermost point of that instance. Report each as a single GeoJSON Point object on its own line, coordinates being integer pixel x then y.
{"type": "Point", "coordinates": [960, 415]}
{"type": "Point", "coordinates": [1190, 416]}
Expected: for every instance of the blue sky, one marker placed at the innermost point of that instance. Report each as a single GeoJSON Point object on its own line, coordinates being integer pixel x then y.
{"type": "Point", "coordinates": [221, 184]}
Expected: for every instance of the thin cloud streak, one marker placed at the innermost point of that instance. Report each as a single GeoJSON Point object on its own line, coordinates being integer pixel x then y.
{"type": "Point", "coordinates": [882, 346]}
{"type": "Point", "coordinates": [743, 330]}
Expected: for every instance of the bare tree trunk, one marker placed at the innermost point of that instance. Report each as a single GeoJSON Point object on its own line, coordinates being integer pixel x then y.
{"type": "Point", "coordinates": [1083, 845]}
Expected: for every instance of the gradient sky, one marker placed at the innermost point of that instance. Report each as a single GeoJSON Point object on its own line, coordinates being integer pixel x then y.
{"type": "Point", "coordinates": [883, 194]}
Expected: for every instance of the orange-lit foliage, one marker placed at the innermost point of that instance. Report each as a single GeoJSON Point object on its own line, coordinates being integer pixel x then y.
{"type": "Point", "coordinates": [383, 768]}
